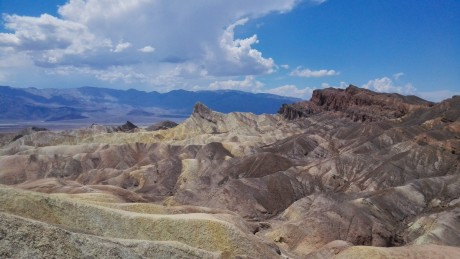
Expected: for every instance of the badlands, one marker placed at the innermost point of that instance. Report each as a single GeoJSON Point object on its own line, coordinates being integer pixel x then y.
{"type": "Point", "coordinates": [349, 174]}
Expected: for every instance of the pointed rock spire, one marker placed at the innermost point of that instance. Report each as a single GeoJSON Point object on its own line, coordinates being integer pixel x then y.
{"type": "Point", "coordinates": [204, 112]}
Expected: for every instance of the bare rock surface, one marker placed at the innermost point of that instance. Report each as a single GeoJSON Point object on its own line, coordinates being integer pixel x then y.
{"type": "Point", "coordinates": [162, 125]}
{"type": "Point", "coordinates": [356, 103]}
{"type": "Point", "coordinates": [350, 173]}
{"type": "Point", "coordinates": [25, 238]}
{"type": "Point", "coordinates": [409, 252]}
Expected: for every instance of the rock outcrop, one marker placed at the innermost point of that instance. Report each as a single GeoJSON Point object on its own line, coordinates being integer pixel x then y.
{"type": "Point", "coordinates": [162, 125]}
{"type": "Point", "coordinates": [355, 103]}
{"type": "Point", "coordinates": [127, 127]}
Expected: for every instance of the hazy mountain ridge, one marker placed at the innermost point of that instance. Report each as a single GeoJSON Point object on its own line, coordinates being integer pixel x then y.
{"type": "Point", "coordinates": [326, 184]}
{"type": "Point", "coordinates": [92, 102]}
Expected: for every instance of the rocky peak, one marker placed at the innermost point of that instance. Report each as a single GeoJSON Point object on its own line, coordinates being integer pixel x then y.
{"type": "Point", "coordinates": [127, 127]}
{"type": "Point", "coordinates": [202, 111]}
{"type": "Point", "coordinates": [357, 103]}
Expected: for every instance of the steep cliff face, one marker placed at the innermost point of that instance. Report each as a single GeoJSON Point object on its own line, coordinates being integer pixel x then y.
{"type": "Point", "coordinates": [356, 103]}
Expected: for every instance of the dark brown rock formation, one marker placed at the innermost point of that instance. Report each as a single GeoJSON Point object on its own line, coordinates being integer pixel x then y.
{"type": "Point", "coordinates": [162, 125]}
{"type": "Point", "coordinates": [356, 103]}
{"type": "Point", "coordinates": [127, 127]}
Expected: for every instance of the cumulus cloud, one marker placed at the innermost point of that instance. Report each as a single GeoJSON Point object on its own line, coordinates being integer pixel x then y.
{"type": "Point", "coordinates": [341, 85]}
{"type": "Point", "coordinates": [44, 33]}
{"type": "Point", "coordinates": [100, 35]}
{"type": "Point", "coordinates": [305, 72]}
{"type": "Point", "coordinates": [124, 74]}
{"type": "Point", "coordinates": [386, 85]}
{"type": "Point", "coordinates": [121, 47]}
{"type": "Point", "coordinates": [292, 91]}
{"type": "Point", "coordinates": [147, 49]}
{"type": "Point", "coordinates": [248, 84]}
{"type": "Point", "coordinates": [239, 54]}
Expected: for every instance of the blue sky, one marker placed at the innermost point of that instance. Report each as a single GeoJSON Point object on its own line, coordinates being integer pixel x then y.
{"type": "Point", "coordinates": [286, 47]}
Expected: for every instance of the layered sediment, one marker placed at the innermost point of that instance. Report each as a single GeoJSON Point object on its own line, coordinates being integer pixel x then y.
{"type": "Point", "coordinates": [350, 173]}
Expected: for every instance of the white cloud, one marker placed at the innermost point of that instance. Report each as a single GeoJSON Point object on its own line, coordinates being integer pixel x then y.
{"type": "Point", "coordinates": [292, 91]}
{"type": "Point", "coordinates": [248, 84]}
{"type": "Point", "coordinates": [117, 74]}
{"type": "Point", "coordinates": [285, 66]}
{"type": "Point", "coordinates": [124, 74]}
{"type": "Point", "coordinates": [386, 85]}
{"type": "Point", "coordinates": [107, 40]}
{"type": "Point", "coordinates": [342, 85]}
{"type": "Point", "coordinates": [147, 49]}
{"type": "Point", "coordinates": [239, 56]}
{"type": "Point", "coordinates": [9, 39]}
{"type": "Point", "coordinates": [121, 47]}
{"type": "Point", "coordinates": [300, 72]}
{"type": "Point", "coordinates": [44, 33]}
{"type": "Point", "coordinates": [89, 35]}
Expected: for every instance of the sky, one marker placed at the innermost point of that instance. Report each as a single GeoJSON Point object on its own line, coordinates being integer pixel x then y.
{"type": "Point", "coordinates": [285, 47]}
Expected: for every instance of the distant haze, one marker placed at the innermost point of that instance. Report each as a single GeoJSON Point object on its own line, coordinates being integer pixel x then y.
{"type": "Point", "coordinates": [107, 106]}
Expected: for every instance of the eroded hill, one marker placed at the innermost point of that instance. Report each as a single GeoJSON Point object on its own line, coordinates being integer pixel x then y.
{"type": "Point", "coordinates": [350, 173]}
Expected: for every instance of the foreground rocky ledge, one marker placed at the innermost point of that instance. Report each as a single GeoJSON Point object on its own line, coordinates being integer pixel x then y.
{"type": "Point", "coordinates": [82, 228]}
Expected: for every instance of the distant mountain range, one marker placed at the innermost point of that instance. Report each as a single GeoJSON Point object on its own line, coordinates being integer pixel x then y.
{"type": "Point", "coordinates": [111, 105]}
